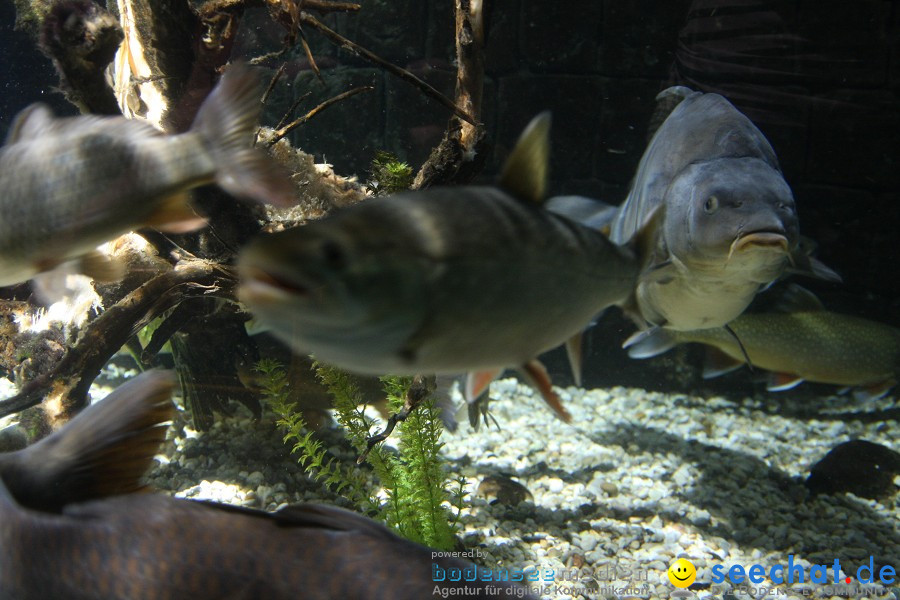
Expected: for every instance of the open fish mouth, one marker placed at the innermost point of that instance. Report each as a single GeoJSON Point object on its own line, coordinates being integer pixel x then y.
{"type": "Point", "coordinates": [260, 286]}
{"type": "Point", "coordinates": [759, 239]}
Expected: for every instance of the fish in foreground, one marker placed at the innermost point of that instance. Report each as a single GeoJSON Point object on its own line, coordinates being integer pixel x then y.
{"type": "Point", "coordinates": [801, 342]}
{"type": "Point", "coordinates": [70, 184]}
{"type": "Point", "coordinates": [72, 526]}
{"type": "Point", "coordinates": [445, 280]}
{"type": "Point", "coordinates": [730, 225]}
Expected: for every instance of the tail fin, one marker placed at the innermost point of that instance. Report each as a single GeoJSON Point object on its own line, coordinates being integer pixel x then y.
{"type": "Point", "coordinates": [227, 121]}
{"type": "Point", "coordinates": [104, 451]}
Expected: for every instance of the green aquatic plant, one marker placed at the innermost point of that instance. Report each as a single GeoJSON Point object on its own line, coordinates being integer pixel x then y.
{"type": "Point", "coordinates": [389, 174]}
{"type": "Point", "coordinates": [314, 457]}
{"type": "Point", "coordinates": [421, 473]}
{"type": "Point", "coordinates": [415, 482]}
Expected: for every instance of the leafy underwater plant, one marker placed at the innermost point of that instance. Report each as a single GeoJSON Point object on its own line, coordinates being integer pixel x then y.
{"type": "Point", "coordinates": [313, 456]}
{"type": "Point", "coordinates": [389, 174]}
{"type": "Point", "coordinates": [417, 495]}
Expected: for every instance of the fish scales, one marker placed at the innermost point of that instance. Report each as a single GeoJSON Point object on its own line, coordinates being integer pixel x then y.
{"type": "Point", "coordinates": [817, 345]}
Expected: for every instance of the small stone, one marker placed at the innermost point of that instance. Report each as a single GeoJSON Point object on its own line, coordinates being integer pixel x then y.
{"type": "Point", "coordinates": [610, 489]}
{"type": "Point", "coordinates": [255, 478]}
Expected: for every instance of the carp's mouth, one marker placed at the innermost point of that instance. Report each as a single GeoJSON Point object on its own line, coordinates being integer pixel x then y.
{"type": "Point", "coordinates": [771, 240]}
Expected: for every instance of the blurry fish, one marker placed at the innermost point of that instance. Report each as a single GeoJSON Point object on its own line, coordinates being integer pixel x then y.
{"type": "Point", "coordinates": [503, 490]}
{"type": "Point", "coordinates": [70, 184]}
{"type": "Point", "coordinates": [730, 226]}
{"type": "Point", "coordinates": [864, 468]}
{"type": "Point", "coordinates": [71, 528]}
{"type": "Point", "coordinates": [805, 343]}
{"type": "Point", "coordinates": [445, 280]}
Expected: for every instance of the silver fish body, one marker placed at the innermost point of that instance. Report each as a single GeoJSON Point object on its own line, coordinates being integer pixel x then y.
{"type": "Point", "coordinates": [729, 226]}
{"type": "Point", "coordinates": [445, 280]}
{"type": "Point", "coordinates": [70, 184]}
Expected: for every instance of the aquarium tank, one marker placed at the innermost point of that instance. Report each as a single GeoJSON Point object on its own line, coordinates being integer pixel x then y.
{"type": "Point", "coordinates": [438, 298]}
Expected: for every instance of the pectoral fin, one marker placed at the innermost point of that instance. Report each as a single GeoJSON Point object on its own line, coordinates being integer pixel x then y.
{"type": "Point", "coordinates": [780, 382]}
{"type": "Point", "coordinates": [652, 342]}
{"type": "Point", "coordinates": [100, 267]}
{"type": "Point", "coordinates": [874, 391]}
{"type": "Point", "coordinates": [175, 215]}
{"type": "Point", "coordinates": [574, 352]}
{"type": "Point", "coordinates": [478, 381]}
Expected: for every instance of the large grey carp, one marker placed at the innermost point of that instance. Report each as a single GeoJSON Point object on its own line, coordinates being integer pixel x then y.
{"type": "Point", "coordinates": [729, 226]}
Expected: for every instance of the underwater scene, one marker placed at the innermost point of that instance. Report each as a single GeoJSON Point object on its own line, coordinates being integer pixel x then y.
{"type": "Point", "coordinates": [407, 299]}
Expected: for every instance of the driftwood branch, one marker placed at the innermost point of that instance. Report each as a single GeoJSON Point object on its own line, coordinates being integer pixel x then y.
{"type": "Point", "coordinates": [461, 154]}
{"type": "Point", "coordinates": [81, 38]}
{"type": "Point", "coordinates": [403, 74]}
{"type": "Point", "coordinates": [70, 380]}
{"type": "Point", "coordinates": [283, 131]}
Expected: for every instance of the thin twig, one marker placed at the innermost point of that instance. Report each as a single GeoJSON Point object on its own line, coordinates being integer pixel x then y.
{"type": "Point", "coordinates": [280, 133]}
{"type": "Point", "coordinates": [291, 110]}
{"type": "Point", "coordinates": [422, 387]}
{"type": "Point", "coordinates": [325, 7]}
{"type": "Point", "coordinates": [389, 67]}
{"type": "Point", "coordinates": [272, 83]}
{"type": "Point", "coordinates": [258, 60]}
{"type": "Point", "coordinates": [309, 55]}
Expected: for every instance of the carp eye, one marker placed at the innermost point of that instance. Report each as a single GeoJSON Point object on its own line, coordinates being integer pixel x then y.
{"type": "Point", "coordinates": [333, 254]}
{"type": "Point", "coordinates": [711, 205]}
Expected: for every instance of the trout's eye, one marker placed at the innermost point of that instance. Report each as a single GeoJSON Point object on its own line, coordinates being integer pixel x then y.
{"type": "Point", "coordinates": [333, 255]}
{"type": "Point", "coordinates": [711, 205]}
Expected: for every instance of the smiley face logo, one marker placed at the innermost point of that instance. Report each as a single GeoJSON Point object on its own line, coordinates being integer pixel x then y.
{"type": "Point", "coordinates": [682, 573]}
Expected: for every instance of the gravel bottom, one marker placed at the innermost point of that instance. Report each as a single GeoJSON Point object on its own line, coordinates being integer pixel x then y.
{"type": "Point", "coordinates": [637, 480]}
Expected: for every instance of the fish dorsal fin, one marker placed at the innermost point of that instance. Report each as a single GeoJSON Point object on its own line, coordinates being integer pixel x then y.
{"type": "Point", "coordinates": [31, 122]}
{"type": "Point", "coordinates": [666, 101]}
{"type": "Point", "coordinates": [796, 298]}
{"type": "Point", "coordinates": [524, 174]}
{"type": "Point", "coordinates": [330, 517]}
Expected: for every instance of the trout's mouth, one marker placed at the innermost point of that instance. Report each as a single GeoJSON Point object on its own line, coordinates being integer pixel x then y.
{"type": "Point", "coordinates": [772, 240]}
{"type": "Point", "coordinates": [258, 285]}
